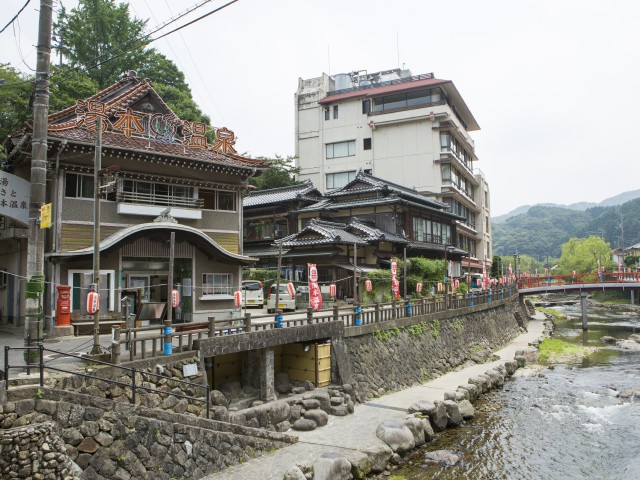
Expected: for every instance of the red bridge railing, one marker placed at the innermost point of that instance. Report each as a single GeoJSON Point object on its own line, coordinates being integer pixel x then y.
{"type": "Point", "coordinates": [580, 278]}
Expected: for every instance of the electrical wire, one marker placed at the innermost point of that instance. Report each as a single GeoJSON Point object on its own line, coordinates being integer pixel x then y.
{"type": "Point", "coordinates": [15, 16]}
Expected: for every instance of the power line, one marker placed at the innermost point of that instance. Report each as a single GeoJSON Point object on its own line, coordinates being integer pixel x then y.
{"type": "Point", "coordinates": [15, 16]}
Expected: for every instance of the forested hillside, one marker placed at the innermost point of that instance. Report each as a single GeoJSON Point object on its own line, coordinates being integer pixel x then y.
{"type": "Point", "coordinates": [542, 230]}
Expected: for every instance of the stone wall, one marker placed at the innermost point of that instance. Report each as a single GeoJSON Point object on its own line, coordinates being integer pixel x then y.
{"type": "Point", "coordinates": [28, 451]}
{"type": "Point", "coordinates": [110, 439]}
{"type": "Point", "coordinates": [402, 354]}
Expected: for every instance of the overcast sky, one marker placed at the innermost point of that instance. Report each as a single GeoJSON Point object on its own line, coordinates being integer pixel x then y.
{"type": "Point", "coordinates": [552, 83]}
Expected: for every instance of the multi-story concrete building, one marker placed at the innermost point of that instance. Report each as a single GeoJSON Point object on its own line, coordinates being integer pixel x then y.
{"type": "Point", "coordinates": [409, 130]}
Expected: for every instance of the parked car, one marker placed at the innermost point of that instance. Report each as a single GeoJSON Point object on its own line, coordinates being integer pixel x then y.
{"type": "Point", "coordinates": [252, 294]}
{"type": "Point", "coordinates": [285, 300]}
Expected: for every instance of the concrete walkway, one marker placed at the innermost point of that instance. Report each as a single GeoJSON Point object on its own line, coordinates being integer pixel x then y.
{"type": "Point", "coordinates": [355, 431]}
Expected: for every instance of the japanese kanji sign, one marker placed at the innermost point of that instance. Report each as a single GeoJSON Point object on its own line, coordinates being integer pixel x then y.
{"type": "Point", "coordinates": [14, 197]}
{"type": "Point", "coordinates": [45, 215]}
{"type": "Point", "coordinates": [166, 128]}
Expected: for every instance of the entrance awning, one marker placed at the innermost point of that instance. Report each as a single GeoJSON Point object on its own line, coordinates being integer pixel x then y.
{"type": "Point", "coordinates": [195, 236]}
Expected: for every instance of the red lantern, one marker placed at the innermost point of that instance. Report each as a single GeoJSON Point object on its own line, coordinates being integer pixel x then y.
{"type": "Point", "coordinates": [237, 298]}
{"type": "Point", "coordinates": [439, 287]}
{"type": "Point", "coordinates": [456, 284]}
{"type": "Point", "coordinates": [419, 287]}
{"type": "Point", "coordinates": [394, 267]}
{"type": "Point", "coordinates": [291, 289]}
{"type": "Point", "coordinates": [332, 290]}
{"type": "Point", "coordinates": [367, 285]}
{"type": "Point", "coordinates": [93, 302]}
{"type": "Point", "coordinates": [175, 298]}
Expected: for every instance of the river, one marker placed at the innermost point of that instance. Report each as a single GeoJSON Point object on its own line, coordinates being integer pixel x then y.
{"type": "Point", "coordinates": [568, 422]}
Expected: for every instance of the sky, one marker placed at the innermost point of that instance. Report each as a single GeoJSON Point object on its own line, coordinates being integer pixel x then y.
{"type": "Point", "coordinates": [553, 84]}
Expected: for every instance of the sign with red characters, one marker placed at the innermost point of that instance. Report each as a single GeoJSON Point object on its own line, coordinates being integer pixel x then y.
{"type": "Point", "coordinates": [315, 296]}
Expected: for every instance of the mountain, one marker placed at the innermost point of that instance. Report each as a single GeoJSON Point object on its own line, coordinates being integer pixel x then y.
{"type": "Point", "coordinates": [542, 230]}
{"type": "Point", "coordinates": [580, 206]}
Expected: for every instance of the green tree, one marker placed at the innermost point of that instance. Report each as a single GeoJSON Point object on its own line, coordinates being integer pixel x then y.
{"type": "Point", "coordinates": [583, 254]}
{"type": "Point", "coordinates": [67, 86]}
{"type": "Point", "coordinates": [281, 173]}
{"type": "Point", "coordinates": [15, 91]}
{"type": "Point", "coordinates": [100, 30]}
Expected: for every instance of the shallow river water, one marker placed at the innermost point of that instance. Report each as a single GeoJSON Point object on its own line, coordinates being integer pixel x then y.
{"type": "Point", "coordinates": [565, 423]}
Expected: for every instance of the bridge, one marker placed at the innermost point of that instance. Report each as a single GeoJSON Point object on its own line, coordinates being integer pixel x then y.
{"type": "Point", "coordinates": [581, 283]}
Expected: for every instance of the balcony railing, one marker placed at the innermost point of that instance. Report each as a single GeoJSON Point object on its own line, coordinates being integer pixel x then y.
{"type": "Point", "coordinates": [162, 200]}
{"type": "Point", "coordinates": [398, 81]}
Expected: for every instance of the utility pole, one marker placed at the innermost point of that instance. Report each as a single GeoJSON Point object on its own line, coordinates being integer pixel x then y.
{"type": "Point", "coordinates": [97, 166]}
{"type": "Point", "coordinates": [37, 193]}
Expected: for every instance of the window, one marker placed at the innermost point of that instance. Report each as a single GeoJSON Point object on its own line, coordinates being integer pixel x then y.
{"type": "Point", "coordinates": [335, 112]}
{"type": "Point", "coordinates": [366, 106]}
{"type": "Point", "coordinates": [218, 200]}
{"type": "Point", "coordinates": [78, 186]}
{"type": "Point", "coordinates": [416, 98]}
{"type": "Point", "coordinates": [339, 180]}
{"type": "Point", "coordinates": [448, 144]}
{"type": "Point", "coordinates": [80, 281]}
{"type": "Point", "coordinates": [326, 113]}
{"type": "Point", "coordinates": [3, 277]}
{"type": "Point", "coordinates": [217, 284]}
{"type": "Point", "coordinates": [366, 143]}
{"type": "Point", "coordinates": [425, 230]}
{"type": "Point", "coordinates": [150, 193]}
{"type": "Point", "coordinates": [451, 176]}
{"type": "Point", "coordinates": [341, 149]}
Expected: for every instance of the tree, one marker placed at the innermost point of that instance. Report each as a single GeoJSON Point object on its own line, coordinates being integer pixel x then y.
{"type": "Point", "coordinates": [67, 86]}
{"type": "Point", "coordinates": [99, 30]}
{"type": "Point", "coordinates": [15, 92]}
{"type": "Point", "coordinates": [583, 254]}
{"type": "Point", "coordinates": [281, 173]}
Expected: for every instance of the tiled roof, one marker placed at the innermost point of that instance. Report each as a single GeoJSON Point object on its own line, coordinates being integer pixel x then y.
{"type": "Point", "coordinates": [124, 94]}
{"type": "Point", "coordinates": [280, 195]}
{"type": "Point", "coordinates": [111, 140]}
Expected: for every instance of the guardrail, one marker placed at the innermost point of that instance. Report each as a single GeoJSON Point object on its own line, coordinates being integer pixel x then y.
{"type": "Point", "coordinates": [578, 279]}
{"type": "Point", "coordinates": [41, 366]}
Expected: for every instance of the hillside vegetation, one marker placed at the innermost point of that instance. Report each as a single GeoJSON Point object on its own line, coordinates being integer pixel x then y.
{"type": "Point", "coordinates": [542, 230]}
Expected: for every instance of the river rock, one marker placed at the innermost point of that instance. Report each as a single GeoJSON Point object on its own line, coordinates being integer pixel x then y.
{"type": "Point", "coordinates": [416, 425]}
{"type": "Point", "coordinates": [472, 389]}
{"type": "Point", "coordinates": [608, 339]}
{"type": "Point", "coordinates": [480, 383]}
{"type": "Point", "coordinates": [462, 393]}
{"type": "Point", "coordinates": [360, 463]}
{"type": "Point", "coordinates": [510, 368]}
{"type": "Point", "coordinates": [397, 435]}
{"type": "Point", "coordinates": [466, 409]}
{"type": "Point", "coordinates": [424, 407]}
{"type": "Point", "coordinates": [635, 337]}
{"type": "Point", "coordinates": [379, 456]}
{"type": "Point", "coordinates": [322, 397]}
{"type": "Point", "coordinates": [304, 425]}
{"type": "Point", "coordinates": [442, 457]}
{"type": "Point", "coordinates": [453, 413]}
{"type": "Point", "coordinates": [439, 417]}
{"type": "Point", "coordinates": [521, 361]}
{"type": "Point", "coordinates": [218, 398]}
{"type": "Point", "coordinates": [319, 416]}
{"type": "Point", "coordinates": [449, 395]}
{"type": "Point", "coordinates": [281, 382]}
{"type": "Point", "coordinates": [331, 466]}
{"type": "Point", "coordinates": [497, 378]}
{"type": "Point", "coordinates": [294, 473]}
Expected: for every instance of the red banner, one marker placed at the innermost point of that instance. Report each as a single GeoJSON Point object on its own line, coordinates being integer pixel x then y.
{"type": "Point", "coordinates": [315, 296]}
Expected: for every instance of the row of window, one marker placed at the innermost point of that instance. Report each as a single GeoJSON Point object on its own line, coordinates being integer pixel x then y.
{"type": "Point", "coordinates": [459, 209]}
{"type": "Point", "coordinates": [431, 231]}
{"type": "Point", "coordinates": [449, 144]}
{"type": "Point", "coordinates": [327, 112]}
{"type": "Point", "coordinates": [451, 176]}
{"type": "Point", "coordinates": [345, 149]}
{"type": "Point", "coordinates": [138, 191]}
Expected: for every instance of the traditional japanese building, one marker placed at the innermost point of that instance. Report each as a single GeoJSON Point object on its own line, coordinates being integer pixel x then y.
{"type": "Point", "coordinates": [158, 175]}
{"type": "Point", "coordinates": [360, 227]}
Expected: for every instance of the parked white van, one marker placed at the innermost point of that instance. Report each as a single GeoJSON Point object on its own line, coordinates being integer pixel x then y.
{"type": "Point", "coordinates": [285, 300]}
{"type": "Point", "coordinates": [252, 294]}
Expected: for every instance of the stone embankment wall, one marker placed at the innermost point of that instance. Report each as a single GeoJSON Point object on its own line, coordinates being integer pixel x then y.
{"type": "Point", "coordinates": [401, 355]}
{"type": "Point", "coordinates": [110, 439]}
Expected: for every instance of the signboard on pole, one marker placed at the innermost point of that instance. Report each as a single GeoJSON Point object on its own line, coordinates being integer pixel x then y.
{"type": "Point", "coordinates": [45, 215]}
